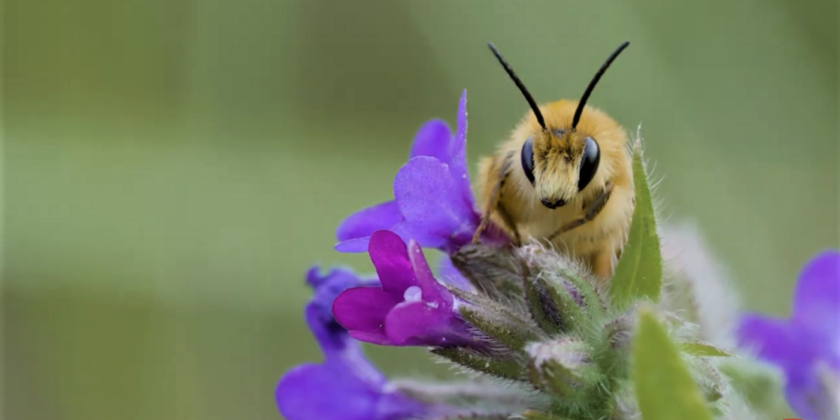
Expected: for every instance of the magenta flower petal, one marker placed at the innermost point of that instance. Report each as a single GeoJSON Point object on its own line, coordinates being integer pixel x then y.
{"type": "Point", "coordinates": [369, 220]}
{"type": "Point", "coordinates": [377, 302]}
{"type": "Point", "coordinates": [433, 139]}
{"type": "Point", "coordinates": [376, 337]}
{"type": "Point", "coordinates": [410, 308]}
{"type": "Point", "coordinates": [319, 310]}
{"type": "Point", "coordinates": [424, 324]}
{"type": "Point", "coordinates": [429, 286]}
{"type": "Point", "coordinates": [390, 258]}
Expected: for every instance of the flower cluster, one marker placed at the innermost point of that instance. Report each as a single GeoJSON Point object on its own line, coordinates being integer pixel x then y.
{"type": "Point", "coordinates": [409, 307]}
{"type": "Point", "coordinates": [433, 202]}
{"type": "Point", "coordinates": [309, 391]}
{"type": "Point", "coordinates": [542, 338]}
{"type": "Point", "coordinates": [405, 305]}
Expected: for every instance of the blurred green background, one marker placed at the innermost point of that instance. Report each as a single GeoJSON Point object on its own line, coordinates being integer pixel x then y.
{"type": "Point", "coordinates": [173, 167]}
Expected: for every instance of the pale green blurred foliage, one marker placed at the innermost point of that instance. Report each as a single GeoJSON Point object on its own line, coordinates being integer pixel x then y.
{"type": "Point", "coordinates": [173, 167]}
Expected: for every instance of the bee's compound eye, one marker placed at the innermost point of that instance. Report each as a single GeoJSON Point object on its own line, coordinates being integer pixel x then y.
{"type": "Point", "coordinates": [528, 159]}
{"type": "Point", "coordinates": [588, 163]}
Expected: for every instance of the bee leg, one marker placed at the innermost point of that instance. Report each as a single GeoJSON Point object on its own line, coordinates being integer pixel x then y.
{"type": "Point", "coordinates": [591, 212]}
{"type": "Point", "coordinates": [509, 223]}
{"type": "Point", "coordinates": [494, 202]}
{"type": "Point", "coordinates": [500, 209]}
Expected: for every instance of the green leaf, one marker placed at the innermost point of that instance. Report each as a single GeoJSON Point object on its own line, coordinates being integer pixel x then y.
{"type": "Point", "coordinates": [639, 271]}
{"type": "Point", "coordinates": [703, 349]}
{"type": "Point", "coordinates": [664, 387]}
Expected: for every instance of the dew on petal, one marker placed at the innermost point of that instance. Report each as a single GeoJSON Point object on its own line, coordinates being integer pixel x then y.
{"type": "Point", "coordinates": [413, 294]}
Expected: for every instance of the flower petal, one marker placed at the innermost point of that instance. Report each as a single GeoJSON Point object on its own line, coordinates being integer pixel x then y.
{"type": "Point", "coordinates": [353, 245]}
{"type": "Point", "coordinates": [365, 222]}
{"type": "Point", "coordinates": [450, 275]}
{"type": "Point", "coordinates": [434, 140]}
{"type": "Point", "coordinates": [817, 301]}
{"type": "Point", "coordinates": [424, 323]}
{"type": "Point", "coordinates": [435, 202]}
{"type": "Point", "coordinates": [803, 399]}
{"type": "Point", "coordinates": [329, 286]}
{"type": "Point", "coordinates": [364, 308]}
{"type": "Point", "coordinates": [421, 233]}
{"type": "Point", "coordinates": [776, 341]}
{"type": "Point", "coordinates": [346, 386]}
{"type": "Point", "coordinates": [432, 290]}
{"type": "Point", "coordinates": [314, 278]}
{"type": "Point", "coordinates": [331, 337]}
{"type": "Point", "coordinates": [428, 196]}
{"type": "Point", "coordinates": [390, 258]}
{"type": "Point", "coordinates": [377, 337]}
{"type": "Point", "coordinates": [458, 162]}
{"type": "Point", "coordinates": [311, 391]}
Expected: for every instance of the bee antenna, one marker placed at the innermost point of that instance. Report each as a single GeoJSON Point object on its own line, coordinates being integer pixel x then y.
{"type": "Point", "coordinates": [519, 84]}
{"type": "Point", "coordinates": [594, 82]}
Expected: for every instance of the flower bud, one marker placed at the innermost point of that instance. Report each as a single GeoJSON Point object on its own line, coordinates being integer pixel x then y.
{"type": "Point", "coordinates": [561, 367]}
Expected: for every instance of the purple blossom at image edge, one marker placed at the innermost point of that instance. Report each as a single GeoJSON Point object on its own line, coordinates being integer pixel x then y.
{"type": "Point", "coordinates": [808, 343]}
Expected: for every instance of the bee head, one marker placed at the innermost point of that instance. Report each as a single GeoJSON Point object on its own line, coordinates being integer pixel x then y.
{"type": "Point", "coordinates": [559, 162]}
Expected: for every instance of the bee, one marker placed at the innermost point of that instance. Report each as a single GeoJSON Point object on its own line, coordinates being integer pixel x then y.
{"type": "Point", "coordinates": [565, 176]}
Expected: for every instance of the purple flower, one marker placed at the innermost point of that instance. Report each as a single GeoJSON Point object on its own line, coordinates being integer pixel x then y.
{"type": "Point", "coordinates": [805, 347]}
{"type": "Point", "coordinates": [345, 386]}
{"type": "Point", "coordinates": [433, 202]}
{"type": "Point", "coordinates": [410, 308]}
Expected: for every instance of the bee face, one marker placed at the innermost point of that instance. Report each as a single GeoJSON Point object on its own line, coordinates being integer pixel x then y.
{"type": "Point", "coordinates": [559, 164]}
{"type": "Point", "coordinates": [571, 155]}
